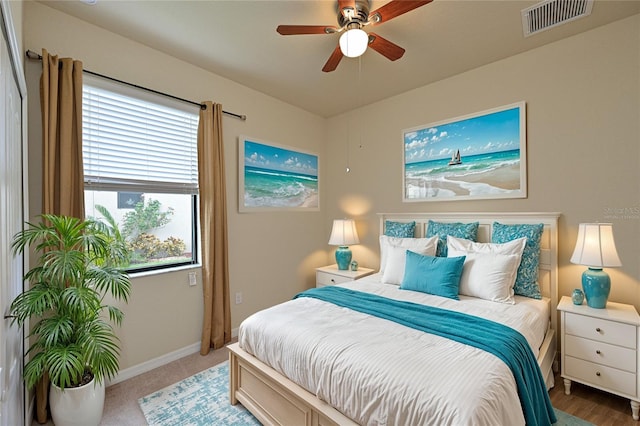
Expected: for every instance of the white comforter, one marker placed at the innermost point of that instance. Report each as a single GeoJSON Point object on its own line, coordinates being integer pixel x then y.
{"type": "Point", "coordinates": [377, 372]}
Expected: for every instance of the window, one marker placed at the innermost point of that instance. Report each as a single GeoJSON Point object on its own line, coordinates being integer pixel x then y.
{"type": "Point", "coordinates": [141, 171]}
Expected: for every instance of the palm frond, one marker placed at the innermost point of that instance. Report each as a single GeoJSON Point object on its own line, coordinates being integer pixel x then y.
{"type": "Point", "coordinates": [115, 315]}
{"type": "Point", "coordinates": [65, 365]}
{"type": "Point", "coordinates": [34, 370]}
{"type": "Point", "coordinates": [101, 349]}
{"type": "Point", "coordinates": [54, 331]}
{"type": "Point", "coordinates": [81, 302]}
{"type": "Point", "coordinates": [107, 279]}
{"type": "Point", "coordinates": [34, 302]}
{"type": "Point", "coordinates": [112, 224]}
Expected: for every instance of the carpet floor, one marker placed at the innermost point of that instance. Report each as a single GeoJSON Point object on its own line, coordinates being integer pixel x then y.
{"type": "Point", "coordinates": [203, 399]}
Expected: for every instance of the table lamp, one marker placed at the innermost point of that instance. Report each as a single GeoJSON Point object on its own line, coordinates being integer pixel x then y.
{"type": "Point", "coordinates": [343, 234]}
{"type": "Point", "coordinates": [596, 249]}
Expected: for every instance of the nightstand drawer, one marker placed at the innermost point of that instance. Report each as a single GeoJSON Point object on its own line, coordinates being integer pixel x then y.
{"type": "Point", "coordinates": [600, 375]}
{"type": "Point", "coordinates": [324, 278]}
{"type": "Point", "coordinates": [601, 330]}
{"type": "Point", "coordinates": [601, 353]}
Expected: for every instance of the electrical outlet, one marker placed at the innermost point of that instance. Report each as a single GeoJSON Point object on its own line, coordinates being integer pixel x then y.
{"type": "Point", "coordinates": [192, 278]}
{"type": "Point", "coordinates": [238, 298]}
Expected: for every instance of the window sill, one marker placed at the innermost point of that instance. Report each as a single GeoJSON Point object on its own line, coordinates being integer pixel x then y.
{"type": "Point", "coordinates": [134, 275]}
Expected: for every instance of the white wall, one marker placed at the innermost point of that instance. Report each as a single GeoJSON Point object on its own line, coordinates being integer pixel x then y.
{"type": "Point", "coordinates": [272, 255]}
{"type": "Point", "coordinates": [583, 133]}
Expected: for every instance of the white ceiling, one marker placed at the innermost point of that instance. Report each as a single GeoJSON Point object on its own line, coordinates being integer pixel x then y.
{"type": "Point", "coordinates": [238, 40]}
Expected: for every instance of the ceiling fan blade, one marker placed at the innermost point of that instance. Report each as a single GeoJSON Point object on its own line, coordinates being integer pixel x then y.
{"type": "Point", "coordinates": [305, 29]}
{"type": "Point", "coordinates": [384, 47]}
{"type": "Point", "coordinates": [393, 9]}
{"type": "Point", "coordinates": [333, 61]}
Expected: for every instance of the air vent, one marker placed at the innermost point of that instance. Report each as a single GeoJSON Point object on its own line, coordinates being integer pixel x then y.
{"type": "Point", "coordinates": [551, 13]}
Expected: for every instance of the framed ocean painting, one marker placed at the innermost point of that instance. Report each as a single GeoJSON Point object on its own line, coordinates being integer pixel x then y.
{"type": "Point", "coordinates": [276, 177]}
{"type": "Point", "coordinates": [477, 156]}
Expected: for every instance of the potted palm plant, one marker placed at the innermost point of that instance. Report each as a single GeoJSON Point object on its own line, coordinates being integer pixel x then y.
{"type": "Point", "coordinates": [79, 271]}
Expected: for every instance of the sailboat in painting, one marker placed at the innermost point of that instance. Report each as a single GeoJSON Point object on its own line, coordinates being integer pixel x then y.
{"type": "Point", "coordinates": [455, 159]}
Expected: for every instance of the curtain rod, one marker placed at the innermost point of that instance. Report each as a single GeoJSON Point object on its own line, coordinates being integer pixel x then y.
{"type": "Point", "coordinates": [33, 55]}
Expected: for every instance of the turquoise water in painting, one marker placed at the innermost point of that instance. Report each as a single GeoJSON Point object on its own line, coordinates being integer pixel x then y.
{"type": "Point", "coordinates": [480, 163]}
{"type": "Point", "coordinates": [276, 188]}
{"type": "Point", "coordinates": [478, 175]}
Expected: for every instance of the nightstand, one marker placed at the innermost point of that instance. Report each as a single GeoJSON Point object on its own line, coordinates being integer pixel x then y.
{"type": "Point", "coordinates": [331, 275]}
{"type": "Point", "coordinates": [600, 348]}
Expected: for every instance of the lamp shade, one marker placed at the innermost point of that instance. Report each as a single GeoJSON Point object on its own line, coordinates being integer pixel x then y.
{"type": "Point", "coordinates": [595, 246]}
{"type": "Point", "coordinates": [353, 43]}
{"type": "Point", "coordinates": [343, 233]}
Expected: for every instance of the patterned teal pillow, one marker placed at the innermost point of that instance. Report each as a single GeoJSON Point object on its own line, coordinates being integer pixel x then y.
{"type": "Point", "coordinates": [468, 231]}
{"type": "Point", "coordinates": [527, 278]}
{"type": "Point", "coordinates": [399, 229]}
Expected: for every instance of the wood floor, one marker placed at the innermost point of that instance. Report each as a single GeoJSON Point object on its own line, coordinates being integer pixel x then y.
{"type": "Point", "coordinates": [121, 404]}
{"type": "Point", "coordinates": [593, 405]}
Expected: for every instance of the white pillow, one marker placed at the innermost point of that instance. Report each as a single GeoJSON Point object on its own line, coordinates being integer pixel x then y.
{"type": "Point", "coordinates": [416, 244]}
{"type": "Point", "coordinates": [489, 270]}
{"type": "Point", "coordinates": [511, 247]}
{"type": "Point", "coordinates": [393, 253]}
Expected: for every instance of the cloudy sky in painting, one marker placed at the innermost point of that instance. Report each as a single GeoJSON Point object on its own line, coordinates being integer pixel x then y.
{"type": "Point", "coordinates": [494, 132]}
{"type": "Point", "coordinates": [275, 158]}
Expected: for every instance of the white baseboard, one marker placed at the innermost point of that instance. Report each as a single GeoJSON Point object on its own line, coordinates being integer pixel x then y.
{"type": "Point", "coordinates": [136, 370]}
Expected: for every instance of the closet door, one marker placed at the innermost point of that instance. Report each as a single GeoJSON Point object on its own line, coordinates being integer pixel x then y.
{"type": "Point", "coordinates": [12, 209]}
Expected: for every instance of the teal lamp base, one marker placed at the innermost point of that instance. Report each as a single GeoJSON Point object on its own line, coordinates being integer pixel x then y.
{"type": "Point", "coordinates": [596, 285]}
{"type": "Point", "coordinates": [343, 257]}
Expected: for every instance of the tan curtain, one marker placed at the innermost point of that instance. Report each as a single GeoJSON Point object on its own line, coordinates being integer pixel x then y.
{"type": "Point", "coordinates": [216, 329]}
{"type": "Point", "coordinates": [61, 103]}
{"type": "Point", "coordinates": [62, 174]}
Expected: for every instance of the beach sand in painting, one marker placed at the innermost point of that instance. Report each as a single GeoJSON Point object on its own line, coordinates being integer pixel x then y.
{"type": "Point", "coordinates": [497, 181]}
{"type": "Point", "coordinates": [505, 177]}
{"type": "Point", "coordinates": [311, 201]}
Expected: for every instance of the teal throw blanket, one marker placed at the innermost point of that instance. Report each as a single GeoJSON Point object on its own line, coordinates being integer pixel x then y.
{"type": "Point", "coordinates": [502, 341]}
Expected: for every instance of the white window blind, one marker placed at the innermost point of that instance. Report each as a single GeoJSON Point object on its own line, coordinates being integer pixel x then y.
{"type": "Point", "coordinates": [137, 141]}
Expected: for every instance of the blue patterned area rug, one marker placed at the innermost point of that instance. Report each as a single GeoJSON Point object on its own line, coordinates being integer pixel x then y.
{"type": "Point", "coordinates": [203, 399]}
{"type": "Point", "coordinates": [565, 419]}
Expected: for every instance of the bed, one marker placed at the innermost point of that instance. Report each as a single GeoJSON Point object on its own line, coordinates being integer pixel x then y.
{"type": "Point", "coordinates": [311, 362]}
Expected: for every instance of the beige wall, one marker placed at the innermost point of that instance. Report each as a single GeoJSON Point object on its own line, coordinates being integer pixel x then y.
{"type": "Point", "coordinates": [272, 255]}
{"type": "Point", "coordinates": [583, 145]}
{"type": "Point", "coordinates": [583, 115]}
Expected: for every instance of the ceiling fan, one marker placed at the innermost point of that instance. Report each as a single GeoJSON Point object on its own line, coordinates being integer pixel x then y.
{"type": "Point", "coordinates": [353, 16]}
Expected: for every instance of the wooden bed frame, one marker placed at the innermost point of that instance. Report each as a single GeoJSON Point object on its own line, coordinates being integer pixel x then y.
{"type": "Point", "coordinates": [275, 400]}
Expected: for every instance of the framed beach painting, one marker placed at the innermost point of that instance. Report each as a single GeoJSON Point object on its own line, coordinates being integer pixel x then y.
{"type": "Point", "coordinates": [276, 177]}
{"type": "Point", "coordinates": [477, 156]}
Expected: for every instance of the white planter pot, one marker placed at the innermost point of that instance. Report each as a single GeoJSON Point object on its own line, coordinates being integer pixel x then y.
{"type": "Point", "coordinates": [77, 406]}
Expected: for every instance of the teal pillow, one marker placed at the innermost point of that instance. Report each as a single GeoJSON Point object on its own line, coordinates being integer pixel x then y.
{"type": "Point", "coordinates": [527, 278]}
{"type": "Point", "coordinates": [433, 275]}
{"type": "Point", "coordinates": [399, 229]}
{"type": "Point", "coordinates": [468, 231]}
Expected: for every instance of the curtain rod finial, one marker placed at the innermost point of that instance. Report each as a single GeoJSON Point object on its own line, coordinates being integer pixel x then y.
{"type": "Point", "coordinates": [33, 55]}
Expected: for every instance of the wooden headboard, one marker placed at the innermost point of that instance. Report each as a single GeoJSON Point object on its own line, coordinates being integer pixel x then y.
{"type": "Point", "coordinates": [548, 274]}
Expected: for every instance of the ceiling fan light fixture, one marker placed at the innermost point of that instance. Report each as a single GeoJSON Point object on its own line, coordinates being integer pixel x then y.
{"type": "Point", "coordinates": [353, 43]}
